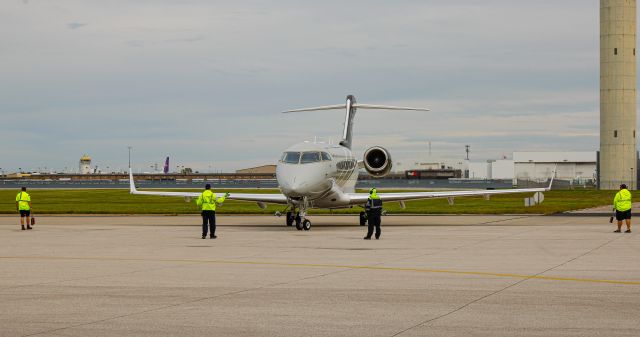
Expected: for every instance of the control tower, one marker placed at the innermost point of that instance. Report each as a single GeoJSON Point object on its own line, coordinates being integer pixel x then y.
{"type": "Point", "coordinates": [85, 165]}
{"type": "Point", "coordinates": [618, 154]}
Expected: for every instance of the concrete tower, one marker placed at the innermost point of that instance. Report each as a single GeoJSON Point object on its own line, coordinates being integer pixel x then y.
{"type": "Point", "coordinates": [618, 157]}
{"type": "Point", "coordinates": [85, 165]}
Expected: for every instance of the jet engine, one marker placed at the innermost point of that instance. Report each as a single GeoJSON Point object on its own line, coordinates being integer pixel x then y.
{"type": "Point", "coordinates": [377, 161]}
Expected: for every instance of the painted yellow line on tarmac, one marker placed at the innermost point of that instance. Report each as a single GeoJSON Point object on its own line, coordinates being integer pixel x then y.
{"type": "Point", "coordinates": [319, 265]}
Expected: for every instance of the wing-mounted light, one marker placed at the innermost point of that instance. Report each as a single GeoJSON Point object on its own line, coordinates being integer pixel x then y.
{"type": "Point", "coordinates": [377, 161]}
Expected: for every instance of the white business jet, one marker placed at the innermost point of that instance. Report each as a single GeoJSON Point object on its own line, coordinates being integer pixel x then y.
{"type": "Point", "coordinates": [322, 175]}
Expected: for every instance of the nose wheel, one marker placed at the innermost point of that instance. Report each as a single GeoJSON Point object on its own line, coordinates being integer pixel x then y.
{"type": "Point", "coordinates": [306, 224]}
{"type": "Point", "coordinates": [302, 223]}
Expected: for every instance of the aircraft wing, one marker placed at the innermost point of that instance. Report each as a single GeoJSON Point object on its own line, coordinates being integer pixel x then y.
{"type": "Point", "coordinates": [272, 198]}
{"type": "Point", "coordinates": [361, 198]}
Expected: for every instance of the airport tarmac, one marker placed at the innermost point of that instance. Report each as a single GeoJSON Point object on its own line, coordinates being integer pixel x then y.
{"type": "Point", "coordinates": [427, 276]}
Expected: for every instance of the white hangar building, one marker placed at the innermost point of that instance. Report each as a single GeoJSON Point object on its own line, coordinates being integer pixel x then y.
{"type": "Point", "coordinates": [539, 166]}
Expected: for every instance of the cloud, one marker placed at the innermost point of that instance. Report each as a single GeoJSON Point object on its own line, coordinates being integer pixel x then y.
{"type": "Point", "coordinates": [76, 25]}
{"type": "Point", "coordinates": [203, 81]}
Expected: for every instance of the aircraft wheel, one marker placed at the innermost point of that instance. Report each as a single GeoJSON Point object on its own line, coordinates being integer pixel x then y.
{"type": "Point", "coordinates": [298, 223]}
{"type": "Point", "coordinates": [306, 225]}
{"type": "Point", "coordinates": [363, 218]}
{"type": "Point", "coordinates": [290, 219]}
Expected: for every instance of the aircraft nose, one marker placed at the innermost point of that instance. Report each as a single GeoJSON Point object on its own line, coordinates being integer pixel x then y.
{"type": "Point", "coordinates": [297, 182]}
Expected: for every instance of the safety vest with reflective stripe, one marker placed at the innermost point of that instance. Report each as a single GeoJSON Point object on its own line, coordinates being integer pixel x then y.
{"type": "Point", "coordinates": [208, 200]}
{"type": "Point", "coordinates": [23, 199]}
{"type": "Point", "coordinates": [374, 204]}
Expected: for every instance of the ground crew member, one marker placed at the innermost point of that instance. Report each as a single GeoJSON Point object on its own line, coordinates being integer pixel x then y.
{"type": "Point", "coordinates": [23, 205]}
{"type": "Point", "coordinates": [374, 211]}
{"type": "Point", "coordinates": [622, 205]}
{"type": "Point", "coordinates": [208, 201]}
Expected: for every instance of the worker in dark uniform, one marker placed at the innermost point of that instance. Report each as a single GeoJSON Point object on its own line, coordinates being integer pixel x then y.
{"type": "Point", "coordinates": [374, 211]}
{"type": "Point", "coordinates": [208, 202]}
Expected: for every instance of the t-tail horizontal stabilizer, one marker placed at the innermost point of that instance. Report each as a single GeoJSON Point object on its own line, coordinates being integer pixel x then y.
{"type": "Point", "coordinates": [350, 106]}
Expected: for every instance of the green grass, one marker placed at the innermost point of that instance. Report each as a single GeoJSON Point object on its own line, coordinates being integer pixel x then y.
{"type": "Point", "coordinates": [119, 201]}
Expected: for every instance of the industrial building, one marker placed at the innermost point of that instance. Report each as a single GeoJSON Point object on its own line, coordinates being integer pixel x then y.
{"type": "Point", "coordinates": [618, 156]}
{"type": "Point", "coordinates": [264, 169]}
{"type": "Point", "coordinates": [501, 169]}
{"type": "Point", "coordinates": [539, 166]}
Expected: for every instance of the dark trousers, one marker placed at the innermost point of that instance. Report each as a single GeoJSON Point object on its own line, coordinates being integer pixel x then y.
{"type": "Point", "coordinates": [208, 217]}
{"type": "Point", "coordinates": [373, 219]}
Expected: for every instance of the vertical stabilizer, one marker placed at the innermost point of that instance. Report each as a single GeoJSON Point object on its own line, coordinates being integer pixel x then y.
{"type": "Point", "coordinates": [166, 166]}
{"type": "Point", "coordinates": [350, 114]}
{"type": "Point", "coordinates": [350, 106]}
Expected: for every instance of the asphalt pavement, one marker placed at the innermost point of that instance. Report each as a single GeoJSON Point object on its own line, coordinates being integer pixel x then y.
{"type": "Point", "coordinates": [428, 276]}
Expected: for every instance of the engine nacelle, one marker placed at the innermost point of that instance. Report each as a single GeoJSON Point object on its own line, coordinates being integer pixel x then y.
{"type": "Point", "coordinates": [377, 161]}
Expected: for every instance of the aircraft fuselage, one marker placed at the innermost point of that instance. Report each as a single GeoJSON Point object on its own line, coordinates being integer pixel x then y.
{"type": "Point", "coordinates": [320, 172]}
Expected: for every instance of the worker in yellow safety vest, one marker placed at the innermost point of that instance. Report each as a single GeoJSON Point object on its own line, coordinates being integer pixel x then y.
{"type": "Point", "coordinates": [208, 202]}
{"type": "Point", "coordinates": [23, 205]}
{"type": "Point", "coordinates": [622, 206]}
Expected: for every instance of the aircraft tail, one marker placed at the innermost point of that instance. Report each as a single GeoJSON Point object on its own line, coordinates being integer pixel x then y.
{"type": "Point", "coordinates": [350, 106]}
{"type": "Point", "coordinates": [165, 170]}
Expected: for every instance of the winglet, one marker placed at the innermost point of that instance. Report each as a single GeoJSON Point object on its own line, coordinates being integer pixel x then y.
{"type": "Point", "coordinates": [552, 177]}
{"type": "Point", "coordinates": [132, 185]}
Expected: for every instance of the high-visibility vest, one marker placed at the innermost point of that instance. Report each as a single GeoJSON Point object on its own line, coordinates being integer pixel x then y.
{"type": "Point", "coordinates": [23, 199]}
{"type": "Point", "coordinates": [208, 201]}
{"type": "Point", "coordinates": [622, 200]}
{"type": "Point", "coordinates": [374, 204]}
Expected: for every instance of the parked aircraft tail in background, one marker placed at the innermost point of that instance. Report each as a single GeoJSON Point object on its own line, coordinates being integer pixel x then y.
{"type": "Point", "coordinates": [166, 166]}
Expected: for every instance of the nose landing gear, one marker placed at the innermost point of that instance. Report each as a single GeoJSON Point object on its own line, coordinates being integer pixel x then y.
{"type": "Point", "coordinates": [300, 219]}
{"type": "Point", "coordinates": [306, 224]}
{"type": "Point", "coordinates": [290, 219]}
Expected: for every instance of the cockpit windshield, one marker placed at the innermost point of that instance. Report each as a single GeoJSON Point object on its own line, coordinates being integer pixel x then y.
{"type": "Point", "coordinates": [310, 157]}
{"type": "Point", "coordinates": [291, 157]}
{"type": "Point", "coordinates": [304, 157]}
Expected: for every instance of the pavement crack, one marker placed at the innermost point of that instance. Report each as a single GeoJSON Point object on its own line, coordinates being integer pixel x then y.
{"type": "Point", "coordinates": [503, 220]}
{"type": "Point", "coordinates": [431, 320]}
{"type": "Point", "coordinates": [187, 302]}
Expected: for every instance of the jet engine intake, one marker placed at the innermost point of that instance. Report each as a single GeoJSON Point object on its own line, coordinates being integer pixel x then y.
{"type": "Point", "coordinates": [377, 161]}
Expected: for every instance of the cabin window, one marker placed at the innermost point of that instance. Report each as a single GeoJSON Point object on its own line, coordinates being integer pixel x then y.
{"type": "Point", "coordinates": [291, 157]}
{"type": "Point", "coordinates": [615, 133]}
{"type": "Point", "coordinates": [325, 156]}
{"type": "Point", "coordinates": [615, 51]}
{"type": "Point", "coordinates": [310, 157]}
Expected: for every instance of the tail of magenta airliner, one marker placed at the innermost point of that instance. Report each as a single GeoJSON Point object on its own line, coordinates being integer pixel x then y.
{"type": "Point", "coordinates": [166, 166]}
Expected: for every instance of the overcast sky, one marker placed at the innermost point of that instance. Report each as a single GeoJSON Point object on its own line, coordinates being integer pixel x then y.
{"type": "Point", "coordinates": [204, 81]}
